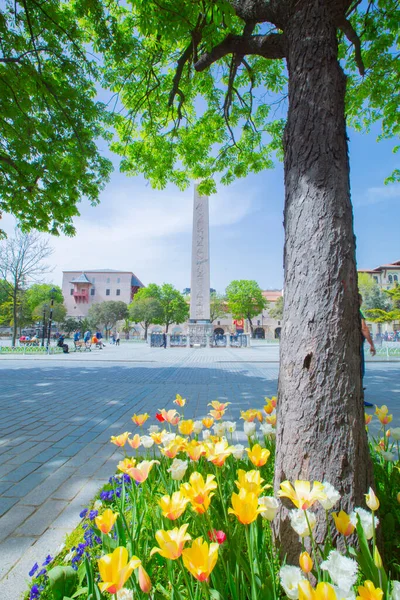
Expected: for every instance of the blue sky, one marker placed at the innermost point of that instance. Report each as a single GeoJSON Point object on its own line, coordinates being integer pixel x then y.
{"type": "Point", "coordinates": [148, 231]}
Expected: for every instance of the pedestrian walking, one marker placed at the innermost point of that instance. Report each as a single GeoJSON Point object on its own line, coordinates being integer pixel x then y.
{"type": "Point", "coordinates": [164, 341]}
{"type": "Point", "coordinates": [117, 338]}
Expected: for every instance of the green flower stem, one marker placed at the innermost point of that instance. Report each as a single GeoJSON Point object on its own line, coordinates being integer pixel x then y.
{"type": "Point", "coordinates": [221, 496]}
{"type": "Point", "coordinates": [313, 547]}
{"type": "Point", "coordinates": [188, 584]}
{"type": "Point", "coordinates": [254, 595]}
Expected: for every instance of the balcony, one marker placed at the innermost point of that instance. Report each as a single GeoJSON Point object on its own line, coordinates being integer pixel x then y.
{"type": "Point", "coordinates": [81, 295]}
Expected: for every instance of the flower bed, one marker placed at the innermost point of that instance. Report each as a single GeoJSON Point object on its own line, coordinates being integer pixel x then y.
{"type": "Point", "coordinates": [191, 519]}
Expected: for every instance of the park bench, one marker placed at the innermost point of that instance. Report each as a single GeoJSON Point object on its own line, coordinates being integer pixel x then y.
{"type": "Point", "coordinates": [81, 346]}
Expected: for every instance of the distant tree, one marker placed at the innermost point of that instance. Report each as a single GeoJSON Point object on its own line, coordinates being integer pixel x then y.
{"type": "Point", "coordinates": [126, 327]}
{"type": "Point", "coordinates": [174, 308]}
{"type": "Point", "coordinates": [382, 316]}
{"type": "Point", "coordinates": [107, 314]}
{"type": "Point", "coordinates": [70, 324]}
{"type": "Point", "coordinates": [218, 306]}
{"type": "Point", "coordinates": [373, 297]}
{"type": "Point", "coordinates": [394, 295]}
{"type": "Point", "coordinates": [245, 300]}
{"type": "Point", "coordinates": [41, 293]}
{"type": "Point", "coordinates": [21, 261]}
{"type": "Point", "coordinates": [145, 308]}
{"type": "Point", "coordinates": [58, 315]}
{"type": "Point", "coordinates": [276, 311]}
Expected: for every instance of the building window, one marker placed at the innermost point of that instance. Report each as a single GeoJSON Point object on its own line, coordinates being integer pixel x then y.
{"type": "Point", "coordinates": [218, 322]}
{"type": "Point", "coordinates": [279, 322]}
{"type": "Point", "coordinates": [118, 292]}
{"type": "Point", "coordinates": [395, 278]}
{"type": "Point", "coordinates": [390, 279]}
{"type": "Point", "coordinates": [71, 291]}
{"type": "Point", "coordinates": [375, 278]}
{"type": "Point", "coordinates": [92, 291]}
{"type": "Point", "coordinates": [108, 280]}
{"type": "Point", "coordinates": [119, 280]}
{"type": "Point", "coordinates": [258, 322]}
{"type": "Point", "coordinates": [107, 292]}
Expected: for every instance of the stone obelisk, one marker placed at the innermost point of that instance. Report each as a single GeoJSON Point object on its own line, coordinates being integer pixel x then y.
{"type": "Point", "coordinates": [199, 322]}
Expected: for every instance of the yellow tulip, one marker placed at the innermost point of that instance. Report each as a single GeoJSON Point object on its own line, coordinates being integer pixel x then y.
{"type": "Point", "coordinates": [368, 419]}
{"type": "Point", "coordinates": [218, 453]}
{"type": "Point", "coordinates": [173, 506]}
{"type": "Point", "coordinates": [179, 400]}
{"type": "Point", "coordinates": [120, 440]}
{"type": "Point", "coordinates": [369, 592]}
{"type": "Point", "coordinates": [323, 591]}
{"type": "Point", "coordinates": [186, 427]}
{"type": "Point", "coordinates": [301, 495]}
{"type": "Point", "coordinates": [305, 561]}
{"type": "Point", "coordinates": [343, 523]}
{"type": "Point", "coordinates": [141, 472]}
{"type": "Point", "coordinates": [198, 491]}
{"type": "Point", "coordinates": [115, 569]}
{"type": "Point", "coordinates": [134, 442]}
{"type": "Point", "coordinates": [171, 450]}
{"type": "Point", "coordinates": [250, 481]}
{"type": "Point", "coordinates": [140, 419]}
{"type": "Point", "coordinates": [382, 414]}
{"type": "Point", "coordinates": [217, 414]}
{"type": "Point", "coordinates": [126, 464]}
{"type": "Point", "coordinates": [271, 420]}
{"type": "Point", "coordinates": [207, 422]}
{"type": "Point", "coordinates": [144, 580]}
{"type": "Point", "coordinates": [258, 455]}
{"type": "Point", "coordinates": [250, 415]}
{"type": "Point", "coordinates": [171, 542]}
{"type": "Point", "coordinates": [106, 521]}
{"type": "Point", "coordinates": [157, 437]}
{"type": "Point", "coordinates": [371, 500]}
{"type": "Point", "coordinates": [245, 506]}
{"type": "Point", "coordinates": [200, 558]}
{"type": "Point", "coordinates": [195, 450]}
{"type": "Point", "coordinates": [218, 405]}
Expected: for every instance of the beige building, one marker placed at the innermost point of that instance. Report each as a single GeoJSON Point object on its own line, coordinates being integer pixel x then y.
{"type": "Point", "coordinates": [386, 276]}
{"type": "Point", "coordinates": [81, 289]}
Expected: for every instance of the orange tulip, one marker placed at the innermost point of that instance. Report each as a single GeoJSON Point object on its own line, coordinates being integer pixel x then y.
{"type": "Point", "coordinates": [217, 414]}
{"type": "Point", "coordinates": [269, 408]}
{"type": "Point", "coordinates": [251, 415]}
{"type": "Point", "coordinates": [134, 442]}
{"type": "Point", "coordinates": [171, 450]}
{"type": "Point", "coordinates": [258, 455]}
{"type": "Point", "coordinates": [140, 419]}
{"type": "Point", "coordinates": [195, 450]}
{"type": "Point", "coordinates": [382, 414]}
{"type": "Point", "coordinates": [115, 569]}
{"type": "Point", "coordinates": [170, 416]}
{"type": "Point", "coordinates": [218, 405]}
{"type": "Point", "coordinates": [173, 506]}
{"type": "Point", "coordinates": [141, 472]}
{"type": "Point", "coordinates": [120, 440]}
{"type": "Point", "coordinates": [106, 521]}
{"type": "Point", "coordinates": [343, 523]}
{"type": "Point", "coordinates": [368, 419]}
{"type": "Point", "coordinates": [207, 422]}
{"type": "Point", "coordinates": [157, 437]}
{"type": "Point", "coordinates": [179, 400]}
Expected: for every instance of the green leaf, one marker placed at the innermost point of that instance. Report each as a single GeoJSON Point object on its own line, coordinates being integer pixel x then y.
{"type": "Point", "coordinates": [63, 582]}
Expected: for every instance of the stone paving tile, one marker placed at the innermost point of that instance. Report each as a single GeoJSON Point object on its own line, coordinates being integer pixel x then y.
{"type": "Point", "coordinates": [42, 518]}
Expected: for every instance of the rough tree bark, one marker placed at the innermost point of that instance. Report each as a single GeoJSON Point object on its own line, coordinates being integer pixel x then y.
{"type": "Point", "coordinates": [320, 432]}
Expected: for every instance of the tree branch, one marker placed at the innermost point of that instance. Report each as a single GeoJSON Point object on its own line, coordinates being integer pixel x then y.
{"type": "Point", "coordinates": [258, 11]}
{"type": "Point", "coordinates": [18, 59]}
{"type": "Point", "coordinates": [351, 34]}
{"type": "Point", "coordinates": [185, 56]}
{"type": "Point", "coordinates": [268, 46]}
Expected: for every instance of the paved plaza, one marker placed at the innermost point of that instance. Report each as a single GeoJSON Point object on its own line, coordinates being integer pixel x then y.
{"type": "Point", "coordinates": [57, 414]}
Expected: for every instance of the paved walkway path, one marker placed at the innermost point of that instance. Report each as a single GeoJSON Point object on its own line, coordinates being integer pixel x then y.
{"type": "Point", "coordinates": [57, 414]}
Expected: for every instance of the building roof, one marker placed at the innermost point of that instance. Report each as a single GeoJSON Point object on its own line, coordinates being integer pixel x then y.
{"type": "Point", "coordinates": [136, 281]}
{"type": "Point", "coordinates": [97, 271]}
{"type": "Point", "coordinates": [81, 279]}
{"type": "Point", "coordinates": [272, 295]}
{"type": "Point", "coordinates": [394, 265]}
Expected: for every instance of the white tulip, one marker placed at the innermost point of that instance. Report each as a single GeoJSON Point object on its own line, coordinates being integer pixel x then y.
{"type": "Point", "coordinates": [230, 426]}
{"type": "Point", "coordinates": [206, 434]}
{"type": "Point", "coordinates": [125, 594]}
{"type": "Point", "coordinates": [389, 456]}
{"type": "Point", "coordinates": [395, 590]}
{"type": "Point", "coordinates": [271, 505]}
{"type": "Point", "coordinates": [68, 557]}
{"type": "Point", "coordinates": [332, 496]}
{"type": "Point", "coordinates": [299, 522]}
{"type": "Point", "coordinates": [197, 427]}
{"type": "Point", "coordinates": [167, 437]}
{"type": "Point", "coordinates": [237, 451]}
{"type": "Point", "coordinates": [342, 570]}
{"type": "Point", "coordinates": [219, 428]}
{"type": "Point", "coordinates": [178, 469]}
{"type": "Point", "coordinates": [290, 578]}
{"type": "Point", "coordinates": [154, 429]}
{"type": "Point", "coordinates": [97, 505]}
{"type": "Point", "coordinates": [267, 429]}
{"type": "Point", "coordinates": [249, 428]}
{"type": "Point", "coordinates": [146, 441]}
{"type": "Point", "coordinates": [344, 594]}
{"type": "Point", "coordinates": [395, 433]}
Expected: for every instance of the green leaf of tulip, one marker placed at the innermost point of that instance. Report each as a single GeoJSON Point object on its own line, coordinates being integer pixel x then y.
{"type": "Point", "coordinates": [63, 582]}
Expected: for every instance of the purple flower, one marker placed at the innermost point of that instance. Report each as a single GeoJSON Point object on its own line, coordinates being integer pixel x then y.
{"type": "Point", "coordinates": [35, 592]}
{"type": "Point", "coordinates": [93, 514]}
{"type": "Point", "coordinates": [97, 539]}
{"type": "Point", "coordinates": [33, 570]}
{"type": "Point", "coordinates": [48, 560]}
{"type": "Point", "coordinates": [83, 513]}
{"type": "Point", "coordinates": [42, 572]}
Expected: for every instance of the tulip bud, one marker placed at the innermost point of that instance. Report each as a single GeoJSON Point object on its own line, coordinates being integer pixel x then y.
{"type": "Point", "coordinates": [368, 419]}
{"type": "Point", "coordinates": [144, 580]}
{"type": "Point", "coordinates": [377, 558]}
{"type": "Point", "coordinates": [305, 561]}
{"type": "Point", "coordinates": [371, 500]}
{"type": "Point", "coordinates": [388, 434]}
{"type": "Point", "coordinates": [398, 497]}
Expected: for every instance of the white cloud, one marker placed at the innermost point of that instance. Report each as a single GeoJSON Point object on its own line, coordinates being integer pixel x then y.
{"type": "Point", "coordinates": [376, 195]}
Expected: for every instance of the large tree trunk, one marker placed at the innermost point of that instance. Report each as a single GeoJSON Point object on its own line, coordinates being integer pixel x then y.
{"type": "Point", "coordinates": [321, 434]}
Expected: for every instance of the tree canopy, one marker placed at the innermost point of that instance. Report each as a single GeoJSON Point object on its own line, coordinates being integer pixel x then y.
{"type": "Point", "coordinates": [107, 314]}
{"type": "Point", "coordinates": [145, 309]}
{"type": "Point", "coordinates": [245, 300]}
{"type": "Point", "coordinates": [218, 307]}
{"type": "Point", "coordinates": [41, 293]}
{"type": "Point", "coordinates": [50, 119]}
{"type": "Point", "coordinates": [171, 305]}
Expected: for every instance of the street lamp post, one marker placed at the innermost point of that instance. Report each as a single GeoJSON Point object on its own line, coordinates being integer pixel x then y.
{"type": "Point", "coordinates": [50, 317]}
{"type": "Point", "coordinates": [44, 324]}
